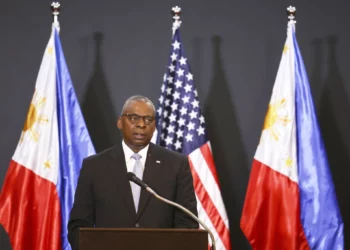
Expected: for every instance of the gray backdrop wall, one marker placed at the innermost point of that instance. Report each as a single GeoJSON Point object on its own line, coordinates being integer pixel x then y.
{"type": "Point", "coordinates": [115, 49]}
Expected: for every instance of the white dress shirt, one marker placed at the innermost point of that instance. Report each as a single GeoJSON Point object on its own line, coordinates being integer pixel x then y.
{"type": "Point", "coordinates": [130, 162]}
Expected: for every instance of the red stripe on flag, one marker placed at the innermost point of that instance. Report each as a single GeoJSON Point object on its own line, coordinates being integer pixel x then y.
{"type": "Point", "coordinates": [271, 212]}
{"type": "Point", "coordinates": [206, 152]}
{"type": "Point", "coordinates": [30, 210]}
{"type": "Point", "coordinates": [210, 208]}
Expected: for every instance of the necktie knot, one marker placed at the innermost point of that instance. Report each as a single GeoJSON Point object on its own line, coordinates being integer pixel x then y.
{"type": "Point", "coordinates": [136, 156]}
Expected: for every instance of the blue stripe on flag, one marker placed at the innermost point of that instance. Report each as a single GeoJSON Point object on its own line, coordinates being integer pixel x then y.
{"type": "Point", "coordinates": [75, 142]}
{"type": "Point", "coordinates": [320, 215]}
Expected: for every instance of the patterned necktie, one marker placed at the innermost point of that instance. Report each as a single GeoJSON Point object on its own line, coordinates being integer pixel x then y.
{"type": "Point", "coordinates": [137, 170]}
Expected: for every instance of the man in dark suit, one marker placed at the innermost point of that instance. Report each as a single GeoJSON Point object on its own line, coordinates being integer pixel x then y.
{"type": "Point", "coordinates": [104, 196]}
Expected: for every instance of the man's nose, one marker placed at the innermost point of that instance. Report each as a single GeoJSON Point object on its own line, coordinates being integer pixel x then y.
{"type": "Point", "coordinates": [141, 123]}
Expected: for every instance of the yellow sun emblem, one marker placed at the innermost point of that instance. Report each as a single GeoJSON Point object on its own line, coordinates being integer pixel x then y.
{"type": "Point", "coordinates": [34, 117]}
{"type": "Point", "coordinates": [47, 164]}
{"type": "Point", "coordinates": [272, 118]}
{"type": "Point", "coordinates": [289, 162]}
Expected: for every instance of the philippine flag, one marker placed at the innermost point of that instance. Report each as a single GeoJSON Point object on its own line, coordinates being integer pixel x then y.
{"type": "Point", "coordinates": [290, 201]}
{"type": "Point", "coordinates": [40, 183]}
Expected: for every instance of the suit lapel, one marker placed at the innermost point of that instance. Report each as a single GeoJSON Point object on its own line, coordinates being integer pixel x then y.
{"type": "Point", "coordinates": [150, 175]}
{"type": "Point", "coordinates": [119, 170]}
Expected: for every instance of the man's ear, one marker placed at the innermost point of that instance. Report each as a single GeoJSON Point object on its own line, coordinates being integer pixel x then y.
{"type": "Point", "coordinates": [120, 123]}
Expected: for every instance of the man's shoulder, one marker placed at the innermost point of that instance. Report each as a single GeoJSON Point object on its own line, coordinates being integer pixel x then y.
{"type": "Point", "coordinates": [109, 152]}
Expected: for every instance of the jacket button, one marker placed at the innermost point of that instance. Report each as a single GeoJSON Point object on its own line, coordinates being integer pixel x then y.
{"type": "Point", "coordinates": [137, 225]}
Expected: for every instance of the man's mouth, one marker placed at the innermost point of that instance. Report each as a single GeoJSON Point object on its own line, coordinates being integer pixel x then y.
{"type": "Point", "coordinates": [139, 136]}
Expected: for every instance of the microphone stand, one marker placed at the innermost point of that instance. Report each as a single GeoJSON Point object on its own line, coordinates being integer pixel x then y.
{"type": "Point", "coordinates": [213, 247]}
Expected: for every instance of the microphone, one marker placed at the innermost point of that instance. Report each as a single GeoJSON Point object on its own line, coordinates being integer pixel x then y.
{"type": "Point", "coordinates": [132, 177]}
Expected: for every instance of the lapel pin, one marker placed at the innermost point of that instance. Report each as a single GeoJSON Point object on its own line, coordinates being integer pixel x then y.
{"type": "Point", "coordinates": [158, 161]}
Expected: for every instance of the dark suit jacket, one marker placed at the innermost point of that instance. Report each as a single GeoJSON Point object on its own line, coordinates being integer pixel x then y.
{"type": "Point", "coordinates": [103, 196]}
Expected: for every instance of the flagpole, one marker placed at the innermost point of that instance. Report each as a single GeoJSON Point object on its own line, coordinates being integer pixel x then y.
{"type": "Point", "coordinates": [176, 12]}
{"type": "Point", "coordinates": [291, 13]}
{"type": "Point", "coordinates": [56, 7]}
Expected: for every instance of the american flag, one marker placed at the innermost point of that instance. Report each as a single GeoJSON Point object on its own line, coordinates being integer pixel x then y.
{"type": "Point", "coordinates": [181, 127]}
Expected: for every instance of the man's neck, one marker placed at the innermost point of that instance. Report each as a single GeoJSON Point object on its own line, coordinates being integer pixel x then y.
{"type": "Point", "coordinates": [136, 148]}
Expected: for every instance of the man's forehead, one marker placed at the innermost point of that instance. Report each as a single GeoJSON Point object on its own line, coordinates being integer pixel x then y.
{"type": "Point", "coordinates": [139, 107]}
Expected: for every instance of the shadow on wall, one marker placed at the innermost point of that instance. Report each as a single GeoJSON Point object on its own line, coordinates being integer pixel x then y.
{"type": "Point", "coordinates": [317, 75]}
{"type": "Point", "coordinates": [334, 117]}
{"type": "Point", "coordinates": [197, 44]}
{"type": "Point", "coordinates": [4, 239]}
{"type": "Point", "coordinates": [229, 154]}
{"type": "Point", "coordinates": [98, 110]}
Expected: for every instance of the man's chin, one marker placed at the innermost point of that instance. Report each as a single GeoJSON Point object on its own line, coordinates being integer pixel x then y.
{"type": "Point", "coordinates": [140, 143]}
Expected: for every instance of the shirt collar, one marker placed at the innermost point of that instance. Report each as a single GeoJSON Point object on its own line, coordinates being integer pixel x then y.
{"type": "Point", "coordinates": [128, 152]}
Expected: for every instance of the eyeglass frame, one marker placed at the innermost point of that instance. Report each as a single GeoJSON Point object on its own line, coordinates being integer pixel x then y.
{"type": "Point", "coordinates": [144, 117]}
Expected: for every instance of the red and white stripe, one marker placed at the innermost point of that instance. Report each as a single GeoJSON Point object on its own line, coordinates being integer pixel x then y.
{"type": "Point", "coordinates": [30, 206]}
{"type": "Point", "coordinates": [211, 208]}
{"type": "Point", "coordinates": [271, 212]}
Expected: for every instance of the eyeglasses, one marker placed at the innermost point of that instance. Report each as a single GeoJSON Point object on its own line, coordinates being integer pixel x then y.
{"type": "Point", "coordinates": [135, 119]}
